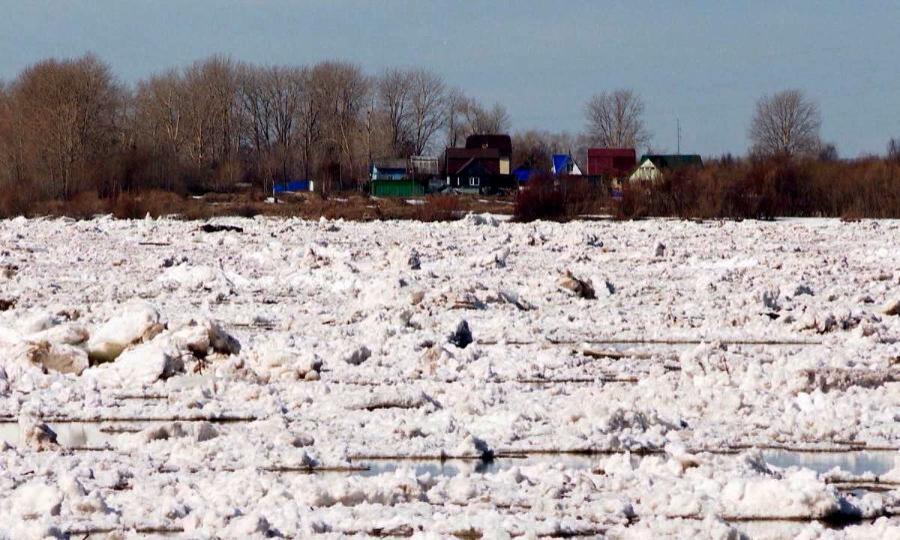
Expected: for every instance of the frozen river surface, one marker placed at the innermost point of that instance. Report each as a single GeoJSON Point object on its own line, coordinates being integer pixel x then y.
{"type": "Point", "coordinates": [478, 378]}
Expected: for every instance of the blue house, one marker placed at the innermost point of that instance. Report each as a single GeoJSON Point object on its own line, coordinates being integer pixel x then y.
{"type": "Point", "coordinates": [564, 165]}
{"type": "Point", "coordinates": [389, 169]}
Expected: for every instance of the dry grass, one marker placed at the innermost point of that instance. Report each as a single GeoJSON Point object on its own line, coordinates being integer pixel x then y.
{"type": "Point", "coordinates": [348, 206]}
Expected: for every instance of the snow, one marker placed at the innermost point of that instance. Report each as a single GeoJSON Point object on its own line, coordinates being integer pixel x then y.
{"type": "Point", "coordinates": [334, 344]}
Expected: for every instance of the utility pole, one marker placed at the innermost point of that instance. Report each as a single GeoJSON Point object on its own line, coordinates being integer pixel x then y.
{"type": "Point", "coordinates": [678, 133]}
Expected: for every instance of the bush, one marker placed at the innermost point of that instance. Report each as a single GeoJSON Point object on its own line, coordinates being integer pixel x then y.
{"type": "Point", "coordinates": [14, 203]}
{"type": "Point", "coordinates": [769, 188]}
{"type": "Point", "coordinates": [440, 208]}
{"type": "Point", "coordinates": [541, 199]}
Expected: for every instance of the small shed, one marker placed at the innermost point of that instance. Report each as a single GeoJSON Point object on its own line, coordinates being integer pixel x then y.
{"type": "Point", "coordinates": [390, 169]}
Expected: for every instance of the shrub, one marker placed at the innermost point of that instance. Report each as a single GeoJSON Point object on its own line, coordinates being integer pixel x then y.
{"type": "Point", "coordinates": [14, 203]}
{"type": "Point", "coordinates": [542, 198]}
{"type": "Point", "coordinates": [440, 208]}
{"type": "Point", "coordinates": [769, 188]}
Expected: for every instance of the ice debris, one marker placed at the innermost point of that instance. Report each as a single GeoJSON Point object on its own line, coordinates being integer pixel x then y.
{"type": "Point", "coordinates": [461, 336]}
{"type": "Point", "coordinates": [581, 288]}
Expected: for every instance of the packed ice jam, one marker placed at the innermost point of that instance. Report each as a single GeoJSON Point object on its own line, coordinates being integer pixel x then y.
{"type": "Point", "coordinates": [478, 378]}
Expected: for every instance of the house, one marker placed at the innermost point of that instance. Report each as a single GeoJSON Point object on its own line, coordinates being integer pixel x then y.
{"type": "Point", "coordinates": [424, 167]}
{"type": "Point", "coordinates": [502, 143]}
{"type": "Point", "coordinates": [610, 163]}
{"type": "Point", "coordinates": [564, 165]}
{"type": "Point", "coordinates": [399, 177]}
{"type": "Point", "coordinates": [482, 166]}
{"type": "Point", "coordinates": [389, 169]}
{"type": "Point", "coordinates": [653, 165]}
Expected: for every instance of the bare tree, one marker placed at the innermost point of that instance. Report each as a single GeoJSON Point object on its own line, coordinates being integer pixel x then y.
{"type": "Point", "coordinates": [66, 121]}
{"type": "Point", "coordinates": [893, 150]}
{"type": "Point", "coordinates": [786, 123]}
{"type": "Point", "coordinates": [454, 107]}
{"type": "Point", "coordinates": [345, 90]}
{"type": "Point", "coordinates": [427, 108]}
{"type": "Point", "coordinates": [616, 120]}
{"type": "Point", "coordinates": [159, 104]}
{"type": "Point", "coordinates": [271, 102]}
{"type": "Point", "coordinates": [481, 121]}
{"type": "Point", "coordinates": [393, 91]}
{"type": "Point", "coordinates": [828, 152]}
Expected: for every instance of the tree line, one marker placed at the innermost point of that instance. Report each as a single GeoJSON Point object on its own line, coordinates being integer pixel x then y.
{"type": "Point", "coordinates": [70, 125]}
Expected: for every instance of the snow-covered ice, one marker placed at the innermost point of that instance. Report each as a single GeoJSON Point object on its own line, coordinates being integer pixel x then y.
{"type": "Point", "coordinates": [157, 378]}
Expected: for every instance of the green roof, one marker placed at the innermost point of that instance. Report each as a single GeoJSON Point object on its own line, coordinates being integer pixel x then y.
{"type": "Point", "coordinates": [673, 161]}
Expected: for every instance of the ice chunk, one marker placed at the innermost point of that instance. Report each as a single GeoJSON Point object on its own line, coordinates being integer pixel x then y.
{"type": "Point", "coordinates": [892, 307]}
{"type": "Point", "coordinates": [145, 364]}
{"type": "Point", "coordinates": [38, 436]}
{"type": "Point", "coordinates": [357, 355]}
{"type": "Point", "coordinates": [139, 321]}
{"type": "Point", "coordinates": [36, 500]}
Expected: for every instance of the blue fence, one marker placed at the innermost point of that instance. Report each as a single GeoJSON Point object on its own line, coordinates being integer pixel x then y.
{"type": "Point", "coordinates": [293, 185]}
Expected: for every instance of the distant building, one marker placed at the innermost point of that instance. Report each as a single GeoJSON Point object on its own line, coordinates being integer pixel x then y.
{"type": "Point", "coordinates": [564, 165]}
{"type": "Point", "coordinates": [389, 169]}
{"type": "Point", "coordinates": [611, 163]}
{"type": "Point", "coordinates": [653, 165]}
{"type": "Point", "coordinates": [502, 143]}
{"type": "Point", "coordinates": [482, 166]}
{"type": "Point", "coordinates": [424, 167]}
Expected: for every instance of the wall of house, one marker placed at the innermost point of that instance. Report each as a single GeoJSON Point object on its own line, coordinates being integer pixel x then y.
{"type": "Point", "coordinates": [646, 172]}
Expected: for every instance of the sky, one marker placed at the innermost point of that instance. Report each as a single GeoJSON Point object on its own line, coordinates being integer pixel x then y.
{"type": "Point", "coordinates": [704, 63]}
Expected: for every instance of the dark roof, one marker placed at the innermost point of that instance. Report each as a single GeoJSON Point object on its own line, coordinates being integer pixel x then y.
{"type": "Point", "coordinates": [474, 167]}
{"type": "Point", "coordinates": [674, 161]}
{"type": "Point", "coordinates": [390, 163]}
{"type": "Point", "coordinates": [501, 142]}
{"type": "Point", "coordinates": [466, 153]}
{"type": "Point", "coordinates": [460, 158]}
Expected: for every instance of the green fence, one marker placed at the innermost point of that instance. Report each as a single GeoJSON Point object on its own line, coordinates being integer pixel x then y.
{"type": "Point", "coordinates": [397, 188]}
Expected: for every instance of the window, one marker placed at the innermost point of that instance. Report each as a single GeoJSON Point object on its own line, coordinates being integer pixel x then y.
{"type": "Point", "coordinates": [474, 181]}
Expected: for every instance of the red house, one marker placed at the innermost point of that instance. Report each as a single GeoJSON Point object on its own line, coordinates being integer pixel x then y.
{"type": "Point", "coordinates": [611, 162]}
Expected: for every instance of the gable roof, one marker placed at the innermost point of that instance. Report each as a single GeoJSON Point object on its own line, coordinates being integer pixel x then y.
{"type": "Point", "coordinates": [473, 167]}
{"type": "Point", "coordinates": [501, 142]}
{"type": "Point", "coordinates": [673, 161]}
{"type": "Point", "coordinates": [560, 164]}
{"type": "Point", "coordinates": [390, 163]}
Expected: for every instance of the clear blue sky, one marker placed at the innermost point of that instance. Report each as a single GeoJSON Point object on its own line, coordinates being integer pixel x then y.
{"type": "Point", "coordinates": [703, 61]}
